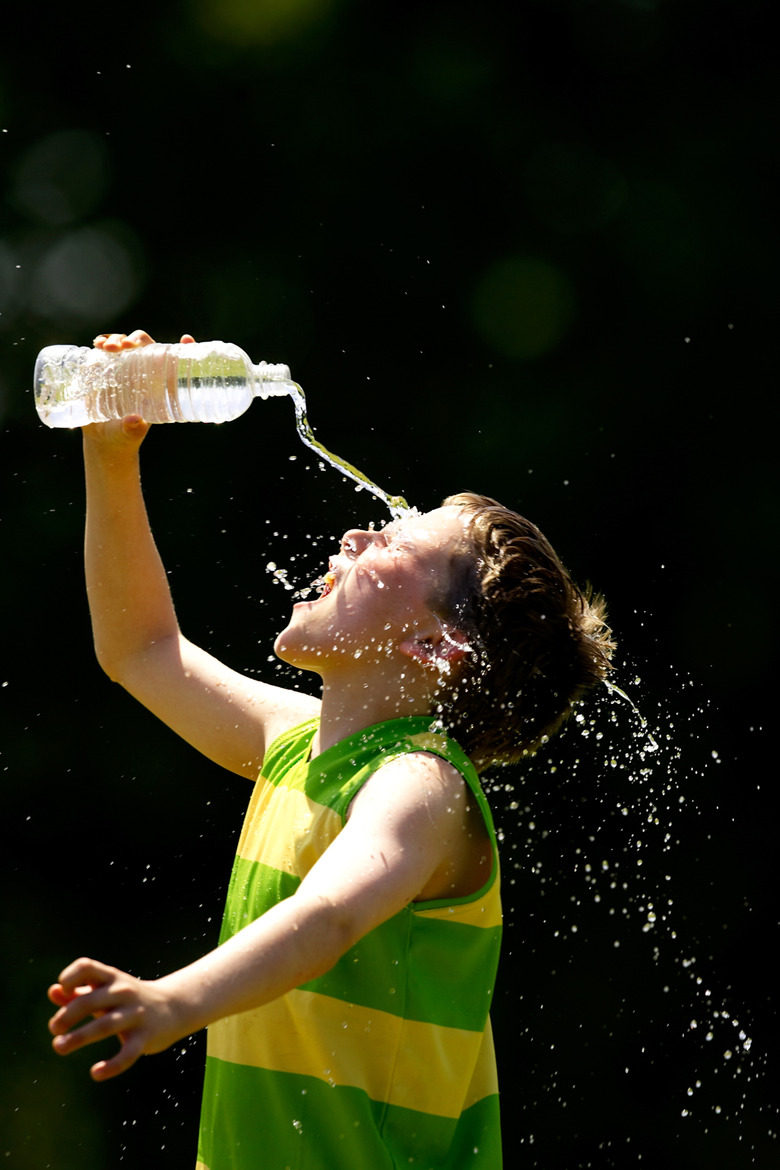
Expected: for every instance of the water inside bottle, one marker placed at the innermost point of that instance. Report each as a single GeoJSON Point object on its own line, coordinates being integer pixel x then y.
{"type": "Point", "coordinates": [60, 399]}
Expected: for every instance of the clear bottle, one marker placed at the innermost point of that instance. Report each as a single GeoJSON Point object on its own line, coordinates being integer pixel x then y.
{"type": "Point", "coordinates": [203, 381]}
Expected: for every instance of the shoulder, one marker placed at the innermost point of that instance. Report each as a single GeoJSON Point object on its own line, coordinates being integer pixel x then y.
{"type": "Point", "coordinates": [412, 782]}
{"type": "Point", "coordinates": [423, 804]}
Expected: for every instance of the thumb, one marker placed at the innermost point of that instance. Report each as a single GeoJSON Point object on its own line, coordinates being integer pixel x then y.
{"type": "Point", "coordinates": [134, 427]}
{"type": "Point", "coordinates": [117, 436]}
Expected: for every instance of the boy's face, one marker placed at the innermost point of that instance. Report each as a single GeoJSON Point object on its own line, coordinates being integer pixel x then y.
{"type": "Point", "coordinates": [377, 593]}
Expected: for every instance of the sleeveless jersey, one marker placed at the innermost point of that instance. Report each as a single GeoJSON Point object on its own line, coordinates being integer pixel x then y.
{"type": "Point", "coordinates": [387, 1060]}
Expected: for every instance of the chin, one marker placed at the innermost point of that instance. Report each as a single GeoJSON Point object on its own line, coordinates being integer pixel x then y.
{"type": "Point", "coordinates": [282, 644]}
{"type": "Point", "coordinates": [288, 649]}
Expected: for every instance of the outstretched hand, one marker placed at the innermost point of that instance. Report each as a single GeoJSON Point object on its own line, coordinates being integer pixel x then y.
{"type": "Point", "coordinates": [135, 1010]}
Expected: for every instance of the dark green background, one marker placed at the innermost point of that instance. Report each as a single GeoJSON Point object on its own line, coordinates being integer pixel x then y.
{"type": "Point", "coordinates": [529, 250]}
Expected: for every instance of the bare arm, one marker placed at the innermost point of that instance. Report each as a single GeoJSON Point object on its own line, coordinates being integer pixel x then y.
{"type": "Point", "coordinates": [409, 824]}
{"type": "Point", "coordinates": [137, 638]}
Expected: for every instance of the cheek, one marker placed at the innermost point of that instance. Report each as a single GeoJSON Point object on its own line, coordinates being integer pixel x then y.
{"type": "Point", "coordinates": [389, 575]}
{"type": "Point", "coordinates": [370, 578]}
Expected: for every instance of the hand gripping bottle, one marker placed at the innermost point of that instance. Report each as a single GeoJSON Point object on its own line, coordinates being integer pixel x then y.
{"type": "Point", "coordinates": [206, 381]}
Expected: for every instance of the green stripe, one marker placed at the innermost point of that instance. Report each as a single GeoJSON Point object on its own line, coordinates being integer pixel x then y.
{"type": "Point", "coordinates": [465, 956]}
{"type": "Point", "coordinates": [334, 777]}
{"type": "Point", "coordinates": [252, 886]}
{"type": "Point", "coordinates": [460, 998]}
{"type": "Point", "coordinates": [466, 961]}
{"type": "Point", "coordinates": [330, 1127]}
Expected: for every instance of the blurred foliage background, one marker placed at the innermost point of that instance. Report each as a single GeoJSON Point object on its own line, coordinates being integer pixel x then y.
{"type": "Point", "coordinates": [529, 250]}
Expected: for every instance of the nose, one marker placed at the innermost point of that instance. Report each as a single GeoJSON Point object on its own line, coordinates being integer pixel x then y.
{"type": "Point", "coordinates": [355, 541]}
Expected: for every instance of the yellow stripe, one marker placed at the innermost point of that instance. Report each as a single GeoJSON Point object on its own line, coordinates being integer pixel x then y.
{"type": "Point", "coordinates": [484, 1082]}
{"type": "Point", "coordinates": [286, 830]}
{"type": "Point", "coordinates": [429, 741]}
{"type": "Point", "coordinates": [392, 1059]}
{"type": "Point", "coordinates": [485, 912]}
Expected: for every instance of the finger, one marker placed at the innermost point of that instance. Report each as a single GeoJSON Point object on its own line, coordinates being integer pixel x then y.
{"type": "Point", "coordinates": [187, 339]}
{"type": "Point", "coordinates": [57, 994]}
{"type": "Point", "coordinates": [134, 427]}
{"type": "Point", "coordinates": [138, 337]}
{"type": "Point", "coordinates": [132, 1048]}
{"type": "Point", "coordinates": [106, 1024]}
{"type": "Point", "coordinates": [112, 342]}
{"type": "Point", "coordinates": [86, 1002]}
{"type": "Point", "coordinates": [116, 431]}
{"type": "Point", "coordinates": [84, 972]}
{"type": "Point", "coordinates": [114, 1007]}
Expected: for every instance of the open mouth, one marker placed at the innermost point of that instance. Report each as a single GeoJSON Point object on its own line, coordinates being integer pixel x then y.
{"type": "Point", "coordinates": [325, 584]}
{"type": "Point", "coordinates": [321, 585]}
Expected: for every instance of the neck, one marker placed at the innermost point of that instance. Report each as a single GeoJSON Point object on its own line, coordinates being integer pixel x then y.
{"type": "Point", "coordinates": [350, 705]}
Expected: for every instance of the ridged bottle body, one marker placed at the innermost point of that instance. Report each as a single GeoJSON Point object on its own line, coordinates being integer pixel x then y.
{"type": "Point", "coordinates": [207, 381]}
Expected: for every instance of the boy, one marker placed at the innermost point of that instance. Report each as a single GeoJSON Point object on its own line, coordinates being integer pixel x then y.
{"type": "Point", "coordinates": [348, 1000]}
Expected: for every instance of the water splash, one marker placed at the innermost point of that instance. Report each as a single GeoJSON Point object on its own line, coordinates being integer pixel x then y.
{"type": "Point", "coordinates": [397, 504]}
{"type": "Point", "coordinates": [651, 745]}
{"type": "Point", "coordinates": [279, 575]}
{"type": "Point", "coordinates": [596, 833]}
{"type": "Point", "coordinates": [316, 586]}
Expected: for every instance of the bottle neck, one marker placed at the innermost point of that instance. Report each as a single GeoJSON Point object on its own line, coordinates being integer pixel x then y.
{"type": "Point", "coordinates": [271, 379]}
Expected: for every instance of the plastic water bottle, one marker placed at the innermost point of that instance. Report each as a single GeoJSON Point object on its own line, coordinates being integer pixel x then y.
{"type": "Point", "coordinates": [205, 381]}
{"type": "Point", "coordinates": [202, 381]}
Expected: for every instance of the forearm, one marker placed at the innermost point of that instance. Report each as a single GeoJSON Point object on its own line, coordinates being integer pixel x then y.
{"type": "Point", "coordinates": [129, 599]}
{"type": "Point", "coordinates": [291, 944]}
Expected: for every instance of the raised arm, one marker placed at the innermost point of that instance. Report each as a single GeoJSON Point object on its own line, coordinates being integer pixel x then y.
{"type": "Point", "coordinates": [137, 638]}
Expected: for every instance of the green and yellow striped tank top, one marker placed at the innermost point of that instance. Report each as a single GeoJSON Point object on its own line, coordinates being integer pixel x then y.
{"type": "Point", "coordinates": [387, 1060]}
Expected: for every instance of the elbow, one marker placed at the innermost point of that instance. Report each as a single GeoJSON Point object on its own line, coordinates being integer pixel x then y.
{"type": "Point", "coordinates": [119, 667]}
{"type": "Point", "coordinates": [109, 662]}
{"type": "Point", "coordinates": [128, 663]}
{"type": "Point", "coordinates": [337, 931]}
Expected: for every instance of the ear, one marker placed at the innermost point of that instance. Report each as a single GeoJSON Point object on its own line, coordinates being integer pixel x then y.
{"type": "Point", "coordinates": [442, 648]}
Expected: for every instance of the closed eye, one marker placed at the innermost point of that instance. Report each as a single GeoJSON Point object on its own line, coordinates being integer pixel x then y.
{"type": "Point", "coordinates": [391, 532]}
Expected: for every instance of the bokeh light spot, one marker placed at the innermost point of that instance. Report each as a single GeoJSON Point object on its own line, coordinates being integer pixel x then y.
{"type": "Point", "coordinates": [88, 275]}
{"type": "Point", "coordinates": [247, 22]}
{"type": "Point", "coordinates": [523, 307]}
{"type": "Point", "coordinates": [62, 177]}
